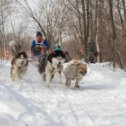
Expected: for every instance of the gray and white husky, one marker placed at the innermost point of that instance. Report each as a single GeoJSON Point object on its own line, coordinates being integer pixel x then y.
{"type": "Point", "coordinates": [19, 62]}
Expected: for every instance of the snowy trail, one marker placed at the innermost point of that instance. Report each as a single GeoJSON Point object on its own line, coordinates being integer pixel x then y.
{"type": "Point", "coordinates": [101, 100]}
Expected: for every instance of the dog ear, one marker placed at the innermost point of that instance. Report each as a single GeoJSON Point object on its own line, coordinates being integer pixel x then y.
{"type": "Point", "coordinates": [50, 58]}
{"type": "Point", "coordinates": [13, 61]}
{"type": "Point", "coordinates": [74, 64]}
{"type": "Point", "coordinates": [78, 64]}
{"type": "Point", "coordinates": [24, 54]}
{"type": "Point", "coordinates": [54, 53]}
{"type": "Point", "coordinates": [27, 63]}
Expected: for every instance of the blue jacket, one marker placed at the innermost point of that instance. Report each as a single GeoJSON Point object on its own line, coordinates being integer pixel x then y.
{"type": "Point", "coordinates": [43, 43]}
{"type": "Point", "coordinates": [35, 48]}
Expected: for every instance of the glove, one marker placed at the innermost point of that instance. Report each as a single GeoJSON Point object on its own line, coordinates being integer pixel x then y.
{"type": "Point", "coordinates": [43, 48]}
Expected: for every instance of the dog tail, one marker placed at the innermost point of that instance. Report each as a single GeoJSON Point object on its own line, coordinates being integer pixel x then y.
{"type": "Point", "coordinates": [15, 47]}
{"type": "Point", "coordinates": [12, 46]}
{"type": "Point", "coordinates": [12, 43]}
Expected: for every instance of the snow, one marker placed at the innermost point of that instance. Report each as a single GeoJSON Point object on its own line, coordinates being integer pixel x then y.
{"type": "Point", "coordinates": [100, 101]}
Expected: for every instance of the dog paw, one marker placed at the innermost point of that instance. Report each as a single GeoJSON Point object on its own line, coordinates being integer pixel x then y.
{"type": "Point", "coordinates": [48, 85]}
{"type": "Point", "coordinates": [77, 86]}
{"type": "Point", "coordinates": [16, 79]}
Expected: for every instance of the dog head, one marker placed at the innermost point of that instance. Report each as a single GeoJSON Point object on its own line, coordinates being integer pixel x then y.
{"type": "Point", "coordinates": [20, 59]}
{"type": "Point", "coordinates": [57, 62]}
{"type": "Point", "coordinates": [81, 69]}
{"type": "Point", "coordinates": [57, 58]}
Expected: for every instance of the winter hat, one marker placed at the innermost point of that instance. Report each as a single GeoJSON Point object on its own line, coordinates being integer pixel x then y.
{"type": "Point", "coordinates": [38, 33]}
{"type": "Point", "coordinates": [58, 48]}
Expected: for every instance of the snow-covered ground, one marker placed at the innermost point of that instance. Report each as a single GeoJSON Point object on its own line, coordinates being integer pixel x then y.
{"type": "Point", "coordinates": [100, 101]}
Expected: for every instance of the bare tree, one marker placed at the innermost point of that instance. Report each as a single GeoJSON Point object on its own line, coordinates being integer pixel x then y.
{"type": "Point", "coordinates": [53, 20]}
{"type": "Point", "coordinates": [4, 10]}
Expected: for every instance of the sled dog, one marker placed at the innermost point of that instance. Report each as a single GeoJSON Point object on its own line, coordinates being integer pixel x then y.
{"type": "Point", "coordinates": [54, 66]}
{"type": "Point", "coordinates": [19, 62]}
{"type": "Point", "coordinates": [75, 70]}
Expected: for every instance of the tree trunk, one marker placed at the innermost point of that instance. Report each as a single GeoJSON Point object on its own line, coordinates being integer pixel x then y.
{"type": "Point", "coordinates": [84, 26]}
{"type": "Point", "coordinates": [124, 10]}
{"type": "Point", "coordinates": [114, 36]}
{"type": "Point", "coordinates": [98, 40]}
{"type": "Point", "coordinates": [3, 30]}
{"type": "Point", "coordinates": [120, 15]}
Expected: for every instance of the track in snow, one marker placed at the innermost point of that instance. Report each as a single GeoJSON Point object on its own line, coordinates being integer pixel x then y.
{"type": "Point", "coordinates": [101, 100]}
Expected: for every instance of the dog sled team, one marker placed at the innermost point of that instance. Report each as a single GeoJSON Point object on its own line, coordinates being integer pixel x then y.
{"type": "Point", "coordinates": [49, 65]}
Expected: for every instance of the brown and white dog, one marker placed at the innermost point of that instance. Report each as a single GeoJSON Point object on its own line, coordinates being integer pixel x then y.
{"type": "Point", "coordinates": [19, 62]}
{"type": "Point", "coordinates": [75, 70]}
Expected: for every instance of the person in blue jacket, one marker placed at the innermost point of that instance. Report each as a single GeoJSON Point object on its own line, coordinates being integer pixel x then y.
{"type": "Point", "coordinates": [39, 46]}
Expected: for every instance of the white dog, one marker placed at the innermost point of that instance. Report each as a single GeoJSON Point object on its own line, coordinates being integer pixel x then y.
{"type": "Point", "coordinates": [54, 66]}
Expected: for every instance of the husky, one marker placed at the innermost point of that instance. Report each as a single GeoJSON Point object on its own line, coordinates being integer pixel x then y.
{"type": "Point", "coordinates": [75, 70]}
{"type": "Point", "coordinates": [54, 66]}
{"type": "Point", "coordinates": [19, 62]}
